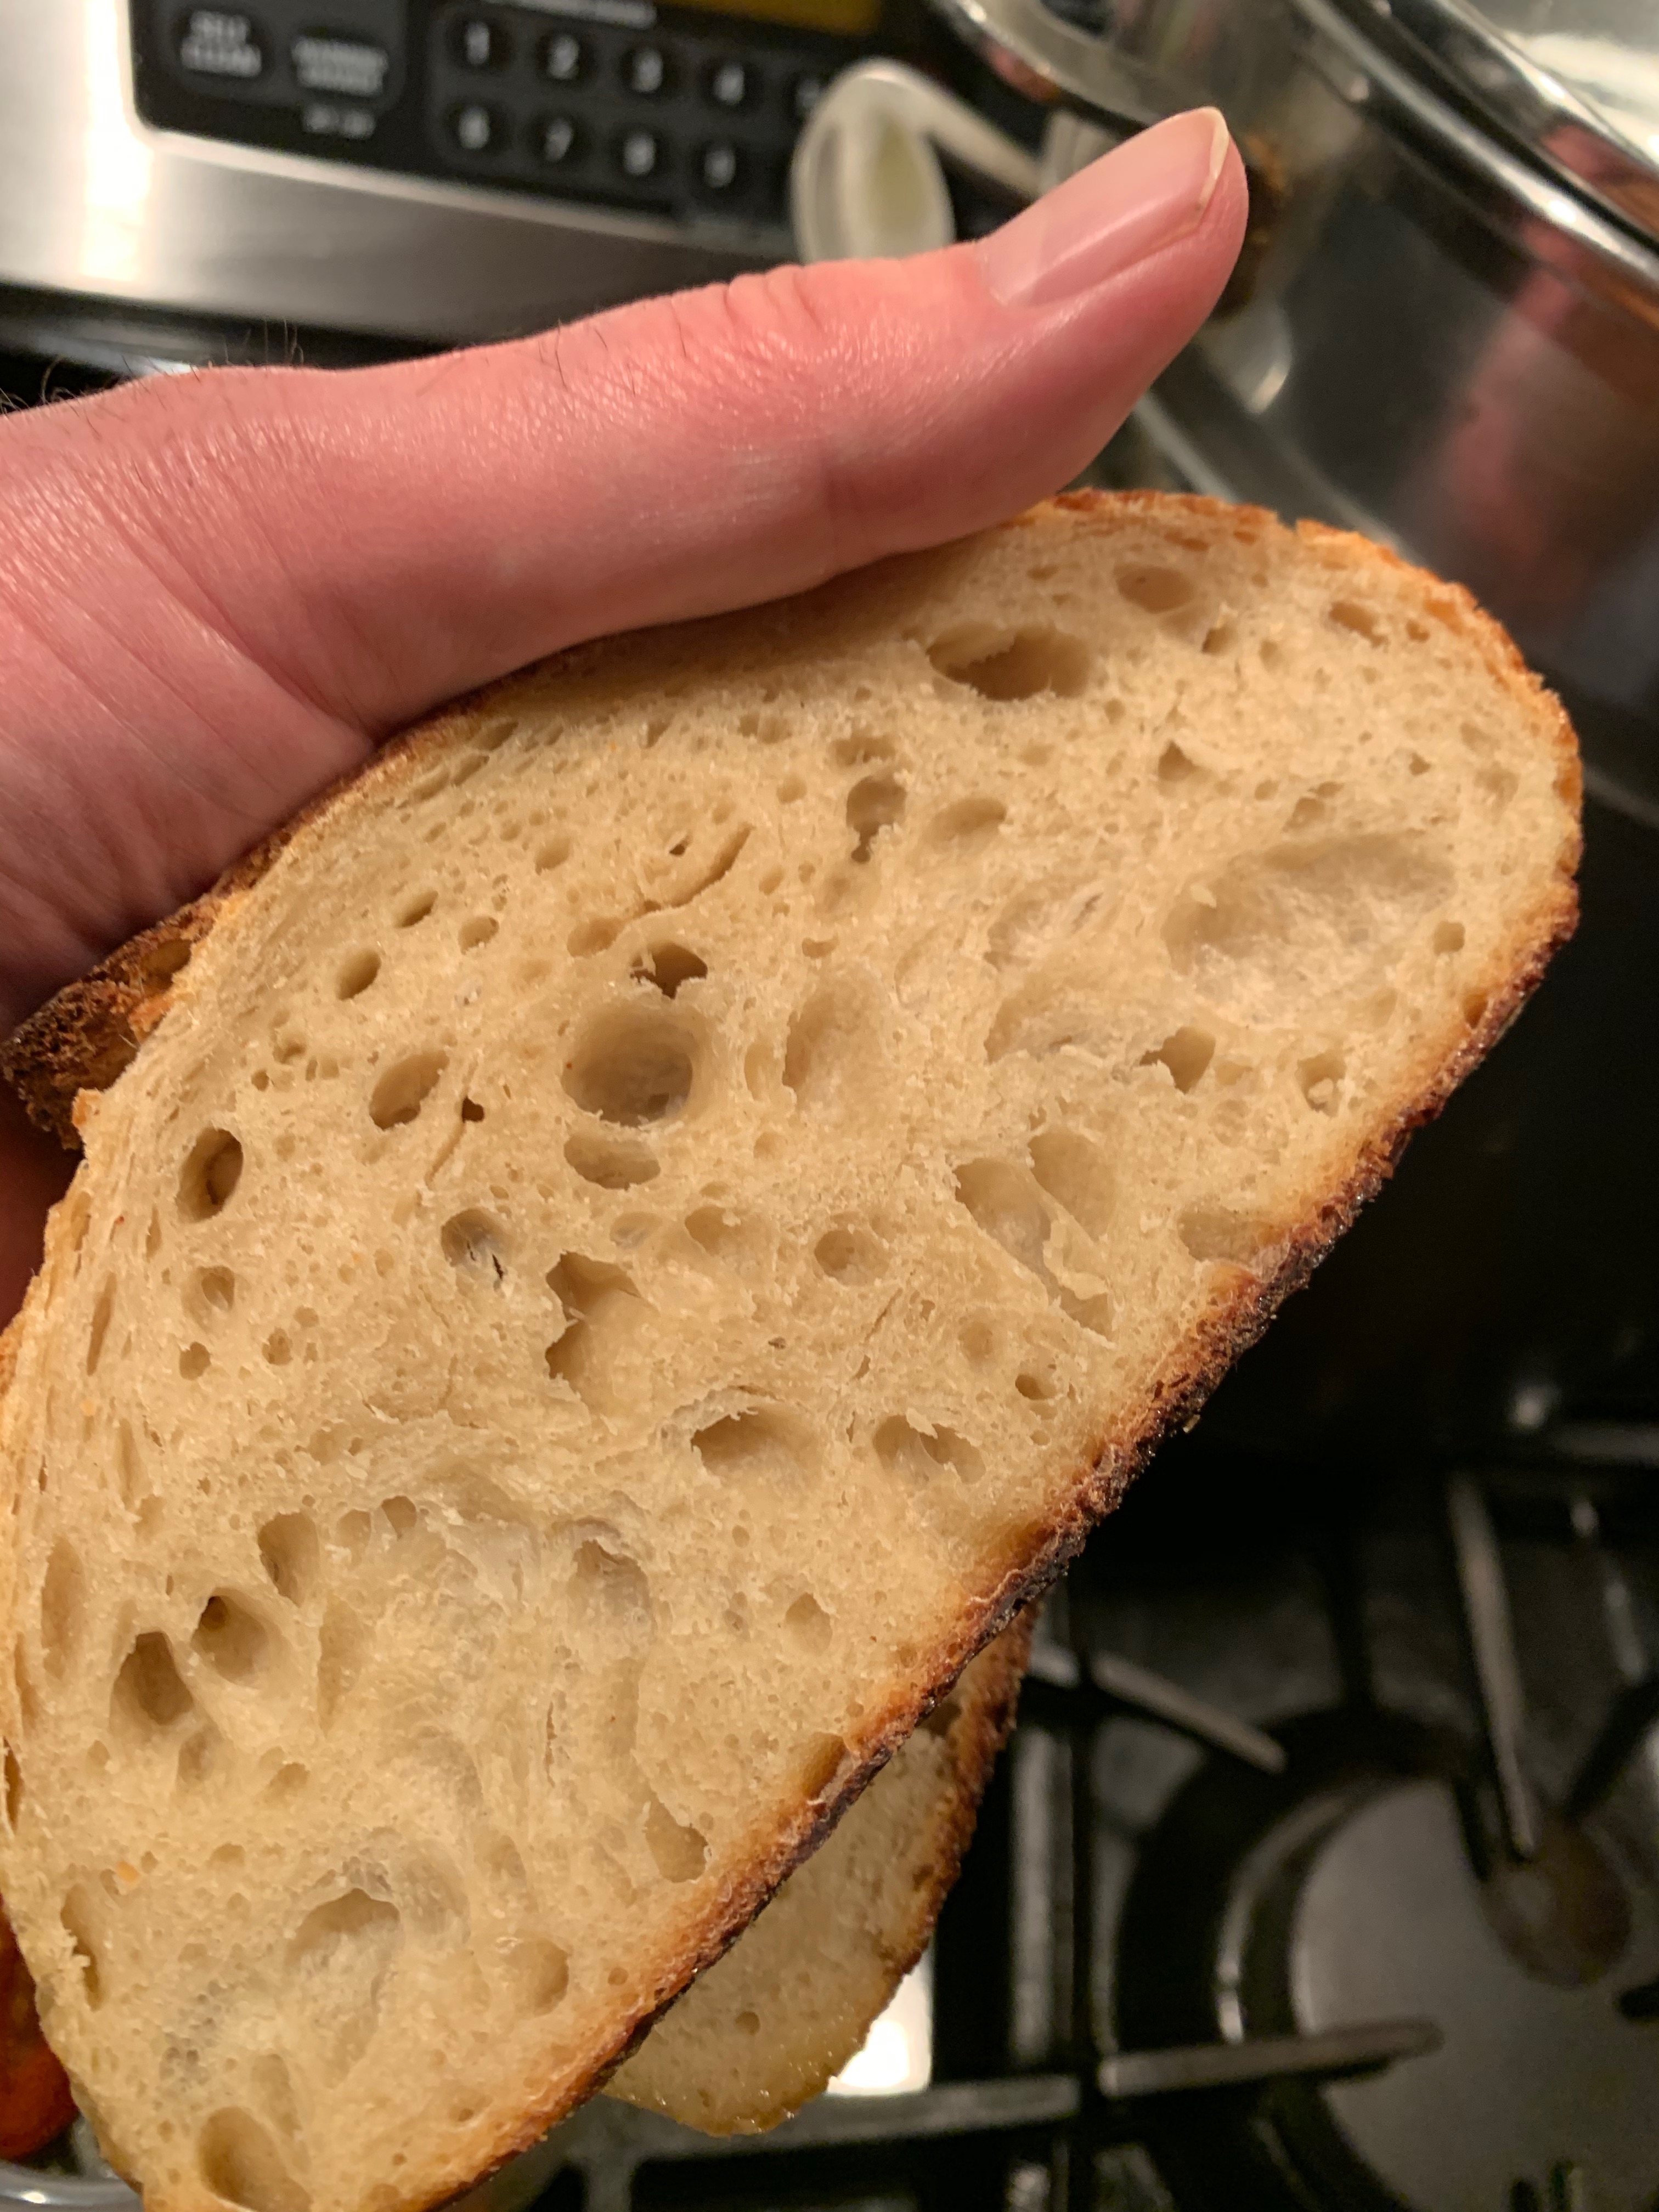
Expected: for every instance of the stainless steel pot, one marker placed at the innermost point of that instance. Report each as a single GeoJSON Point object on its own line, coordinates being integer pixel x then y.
{"type": "Point", "coordinates": [1445, 329]}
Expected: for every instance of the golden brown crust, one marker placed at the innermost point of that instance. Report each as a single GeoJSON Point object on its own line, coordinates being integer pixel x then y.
{"type": "Point", "coordinates": [98, 1024]}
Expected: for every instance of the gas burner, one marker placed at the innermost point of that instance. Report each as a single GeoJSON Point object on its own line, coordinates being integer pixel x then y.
{"type": "Point", "coordinates": [1390, 1976]}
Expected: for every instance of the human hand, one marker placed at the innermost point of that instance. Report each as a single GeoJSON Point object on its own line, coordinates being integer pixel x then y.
{"type": "Point", "coordinates": [220, 593]}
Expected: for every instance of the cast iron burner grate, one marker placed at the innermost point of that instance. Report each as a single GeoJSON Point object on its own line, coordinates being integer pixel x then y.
{"type": "Point", "coordinates": [1322, 1870]}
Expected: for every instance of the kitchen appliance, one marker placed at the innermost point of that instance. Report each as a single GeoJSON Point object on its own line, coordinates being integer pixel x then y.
{"type": "Point", "coordinates": [347, 181]}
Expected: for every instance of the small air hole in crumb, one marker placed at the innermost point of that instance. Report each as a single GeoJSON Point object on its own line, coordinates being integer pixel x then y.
{"type": "Point", "coordinates": [598, 935]}
{"type": "Point", "coordinates": [874, 804]}
{"type": "Point", "coordinates": [790, 790]}
{"type": "Point", "coordinates": [809, 1624]}
{"type": "Point", "coordinates": [1034, 1387]}
{"type": "Point", "coordinates": [553, 854]}
{"type": "Point", "coordinates": [1154, 589]}
{"type": "Point", "coordinates": [404, 1088]}
{"type": "Point", "coordinates": [1175, 766]}
{"type": "Point", "coordinates": [1449, 937]}
{"type": "Point", "coordinates": [1474, 1008]}
{"type": "Point", "coordinates": [1005, 665]}
{"type": "Point", "coordinates": [668, 966]}
{"type": "Point", "coordinates": [471, 1111]}
{"type": "Point", "coordinates": [1186, 1051]}
{"type": "Point", "coordinates": [747, 2023]}
{"type": "Point", "coordinates": [193, 1361]}
{"type": "Point", "coordinates": [851, 1254]}
{"type": "Point", "coordinates": [217, 1288]}
{"type": "Point", "coordinates": [1221, 637]}
{"type": "Point", "coordinates": [207, 1179]}
{"type": "Point", "coordinates": [679, 1848]}
{"type": "Point", "coordinates": [277, 1348]}
{"type": "Point", "coordinates": [478, 930]}
{"type": "Point", "coordinates": [357, 974]}
{"type": "Point", "coordinates": [1350, 615]}
{"type": "Point", "coordinates": [415, 910]}
{"type": "Point", "coordinates": [1417, 765]}
{"type": "Point", "coordinates": [232, 1639]}
{"type": "Point", "coordinates": [476, 1245]}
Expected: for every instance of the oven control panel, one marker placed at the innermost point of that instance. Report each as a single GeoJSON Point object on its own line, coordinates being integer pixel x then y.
{"type": "Point", "coordinates": [690, 113]}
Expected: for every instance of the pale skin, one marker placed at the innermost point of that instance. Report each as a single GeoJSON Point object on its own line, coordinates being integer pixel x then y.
{"type": "Point", "coordinates": [220, 593]}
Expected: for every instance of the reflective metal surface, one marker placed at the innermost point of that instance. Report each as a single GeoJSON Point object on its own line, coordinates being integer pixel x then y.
{"type": "Point", "coordinates": [92, 203]}
{"type": "Point", "coordinates": [1576, 81]}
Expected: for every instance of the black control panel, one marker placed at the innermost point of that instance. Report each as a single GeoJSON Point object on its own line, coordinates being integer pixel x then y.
{"type": "Point", "coordinates": [675, 111]}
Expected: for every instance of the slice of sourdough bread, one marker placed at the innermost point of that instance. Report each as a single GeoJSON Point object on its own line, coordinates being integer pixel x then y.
{"type": "Point", "coordinates": [642, 1234]}
{"type": "Point", "coordinates": [768, 2026]}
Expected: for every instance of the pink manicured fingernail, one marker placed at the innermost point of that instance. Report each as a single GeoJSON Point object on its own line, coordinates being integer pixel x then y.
{"type": "Point", "coordinates": [1143, 195]}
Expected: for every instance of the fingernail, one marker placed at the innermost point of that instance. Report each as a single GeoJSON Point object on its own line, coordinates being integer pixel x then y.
{"type": "Point", "coordinates": [1142, 196]}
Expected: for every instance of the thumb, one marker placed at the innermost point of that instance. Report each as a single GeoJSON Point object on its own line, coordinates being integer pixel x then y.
{"type": "Point", "coordinates": [224, 589]}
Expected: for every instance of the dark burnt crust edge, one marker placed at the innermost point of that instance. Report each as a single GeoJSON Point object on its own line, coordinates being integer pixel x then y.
{"type": "Point", "coordinates": [107, 1015]}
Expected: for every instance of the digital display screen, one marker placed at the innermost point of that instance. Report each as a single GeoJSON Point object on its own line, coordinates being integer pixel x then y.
{"type": "Point", "coordinates": [851, 19]}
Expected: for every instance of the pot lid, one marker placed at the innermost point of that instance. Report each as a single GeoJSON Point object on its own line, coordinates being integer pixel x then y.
{"type": "Point", "coordinates": [1576, 81]}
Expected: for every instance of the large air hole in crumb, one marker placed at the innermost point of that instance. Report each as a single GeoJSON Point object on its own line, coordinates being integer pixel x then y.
{"type": "Point", "coordinates": [1003, 1204]}
{"type": "Point", "coordinates": [1006, 664]}
{"type": "Point", "coordinates": [633, 1066]}
{"type": "Point", "coordinates": [476, 1245]}
{"type": "Point", "coordinates": [1186, 1051]}
{"type": "Point", "coordinates": [680, 1850]}
{"type": "Point", "coordinates": [404, 1088]}
{"type": "Point", "coordinates": [1319, 1078]}
{"type": "Point", "coordinates": [610, 1163]}
{"type": "Point", "coordinates": [761, 1444]}
{"type": "Point", "coordinates": [1075, 1172]}
{"type": "Point", "coordinates": [851, 1254]}
{"type": "Point", "coordinates": [357, 974]}
{"type": "Point", "coordinates": [241, 2164]}
{"type": "Point", "coordinates": [809, 1624]}
{"type": "Point", "coordinates": [232, 1639]}
{"type": "Point", "coordinates": [536, 1973]}
{"type": "Point", "coordinates": [874, 804]}
{"type": "Point", "coordinates": [291, 1555]}
{"type": "Point", "coordinates": [668, 966]}
{"type": "Point", "coordinates": [207, 1179]}
{"type": "Point", "coordinates": [905, 1450]}
{"type": "Point", "coordinates": [62, 1607]}
{"type": "Point", "coordinates": [1155, 590]}
{"type": "Point", "coordinates": [149, 1693]}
